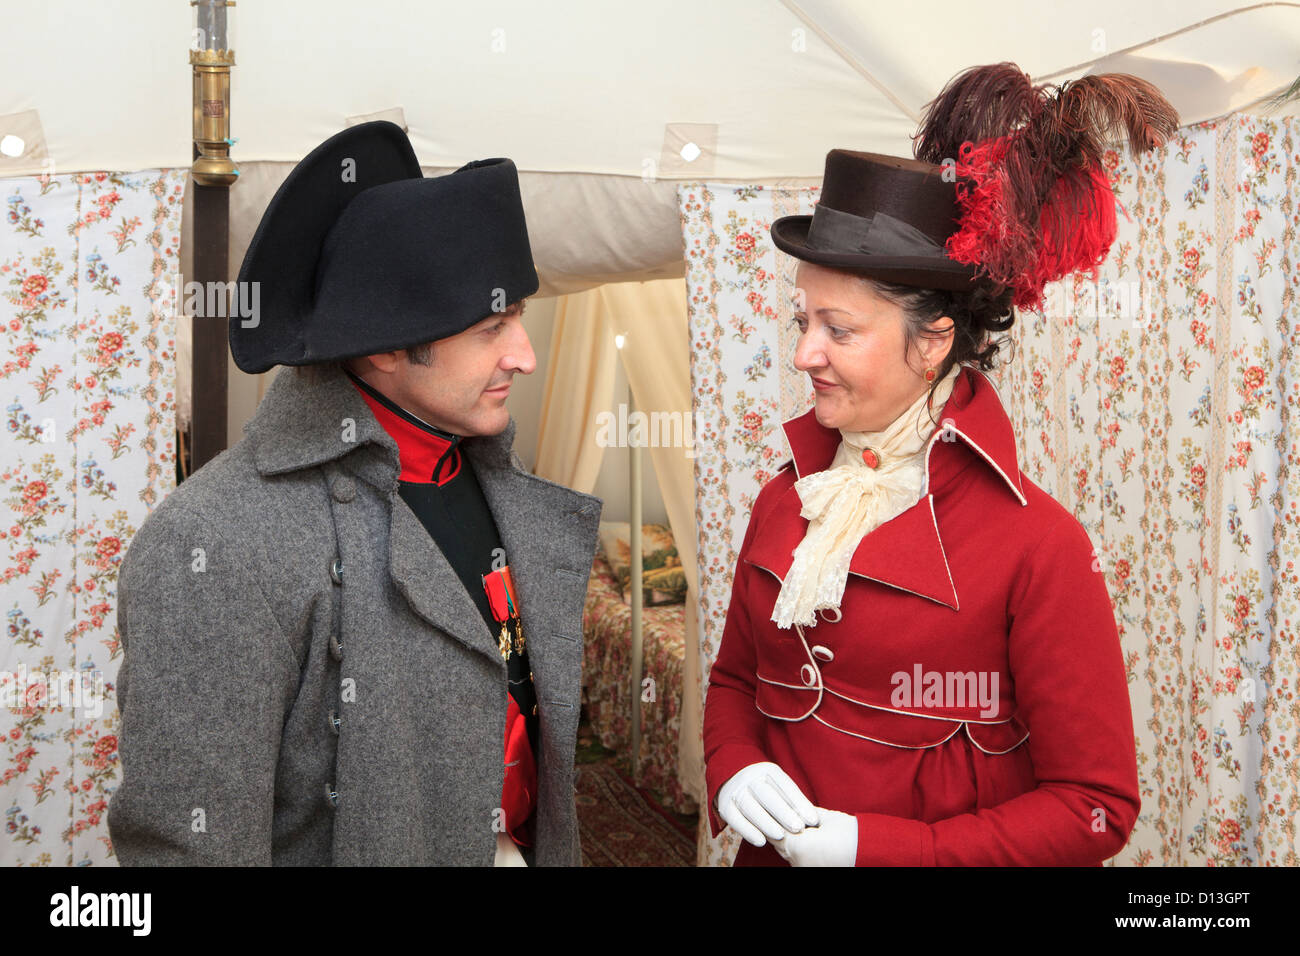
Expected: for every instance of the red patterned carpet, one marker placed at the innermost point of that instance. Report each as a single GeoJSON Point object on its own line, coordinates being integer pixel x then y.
{"type": "Point", "coordinates": [620, 825]}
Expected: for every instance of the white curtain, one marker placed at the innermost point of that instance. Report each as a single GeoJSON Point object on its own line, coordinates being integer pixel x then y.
{"type": "Point", "coordinates": [580, 376]}
{"type": "Point", "coordinates": [89, 394]}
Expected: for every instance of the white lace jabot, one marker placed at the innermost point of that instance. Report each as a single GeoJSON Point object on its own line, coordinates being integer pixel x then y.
{"type": "Point", "coordinates": [850, 499]}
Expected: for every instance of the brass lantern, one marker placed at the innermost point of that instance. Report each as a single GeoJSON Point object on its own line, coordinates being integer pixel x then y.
{"type": "Point", "coordinates": [211, 58]}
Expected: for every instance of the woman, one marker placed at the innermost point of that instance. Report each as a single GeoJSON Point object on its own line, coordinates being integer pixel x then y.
{"type": "Point", "coordinates": [920, 664]}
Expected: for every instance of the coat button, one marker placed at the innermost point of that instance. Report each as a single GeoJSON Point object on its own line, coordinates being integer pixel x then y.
{"type": "Point", "coordinates": [822, 653]}
{"type": "Point", "coordinates": [336, 570]}
{"type": "Point", "coordinates": [336, 647]}
{"type": "Point", "coordinates": [335, 722]}
{"type": "Point", "coordinates": [331, 795]}
{"type": "Point", "coordinates": [809, 675]}
{"type": "Point", "coordinates": [344, 489]}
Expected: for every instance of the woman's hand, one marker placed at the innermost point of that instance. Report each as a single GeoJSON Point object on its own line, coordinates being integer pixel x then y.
{"type": "Point", "coordinates": [762, 803]}
{"type": "Point", "coordinates": [833, 843]}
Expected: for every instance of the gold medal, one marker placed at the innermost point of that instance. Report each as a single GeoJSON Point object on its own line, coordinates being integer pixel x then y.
{"type": "Point", "coordinates": [505, 608]}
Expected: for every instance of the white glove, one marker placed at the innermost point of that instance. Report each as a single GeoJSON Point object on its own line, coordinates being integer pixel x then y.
{"type": "Point", "coordinates": [762, 803]}
{"type": "Point", "coordinates": [833, 843]}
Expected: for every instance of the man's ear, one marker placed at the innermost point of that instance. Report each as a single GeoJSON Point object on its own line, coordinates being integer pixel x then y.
{"type": "Point", "coordinates": [384, 362]}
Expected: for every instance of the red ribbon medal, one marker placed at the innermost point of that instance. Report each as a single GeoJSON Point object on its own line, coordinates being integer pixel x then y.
{"type": "Point", "coordinates": [500, 588]}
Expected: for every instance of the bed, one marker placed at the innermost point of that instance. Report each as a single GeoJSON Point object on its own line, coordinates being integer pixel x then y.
{"type": "Point", "coordinates": [606, 684]}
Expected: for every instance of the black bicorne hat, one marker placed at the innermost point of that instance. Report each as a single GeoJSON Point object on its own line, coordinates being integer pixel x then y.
{"type": "Point", "coordinates": [358, 253]}
{"type": "Point", "coordinates": [884, 216]}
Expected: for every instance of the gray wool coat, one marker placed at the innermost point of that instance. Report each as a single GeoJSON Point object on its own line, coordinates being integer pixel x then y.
{"type": "Point", "coordinates": [274, 715]}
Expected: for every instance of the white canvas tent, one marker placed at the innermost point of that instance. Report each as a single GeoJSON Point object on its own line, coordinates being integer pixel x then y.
{"type": "Point", "coordinates": [586, 86]}
{"type": "Point", "coordinates": [593, 101]}
{"type": "Point", "coordinates": [597, 103]}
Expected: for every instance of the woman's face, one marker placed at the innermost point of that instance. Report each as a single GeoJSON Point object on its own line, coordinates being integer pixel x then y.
{"type": "Point", "coordinates": [851, 344]}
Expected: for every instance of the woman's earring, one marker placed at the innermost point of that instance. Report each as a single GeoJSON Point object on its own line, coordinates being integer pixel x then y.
{"type": "Point", "coordinates": [930, 373]}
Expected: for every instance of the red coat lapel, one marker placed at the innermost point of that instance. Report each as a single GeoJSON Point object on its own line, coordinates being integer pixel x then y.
{"type": "Point", "coordinates": [905, 552]}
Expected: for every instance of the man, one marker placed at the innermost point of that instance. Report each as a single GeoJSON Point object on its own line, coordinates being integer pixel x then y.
{"type": "Point", "coordinates": [355, 637]}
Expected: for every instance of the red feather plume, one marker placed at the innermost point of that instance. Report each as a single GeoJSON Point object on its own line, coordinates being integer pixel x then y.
{"type": "Point", "coordinates": [1036, 203]}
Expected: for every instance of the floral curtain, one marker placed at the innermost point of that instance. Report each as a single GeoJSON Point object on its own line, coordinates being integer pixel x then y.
{"type": "Point", "coordinates": [87, 265]}
{"type": "Point", "coordinates": [1157, 403]}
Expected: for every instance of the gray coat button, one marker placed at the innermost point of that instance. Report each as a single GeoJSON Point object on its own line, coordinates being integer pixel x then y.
{"type": "Point", "coordinates": [331, 795]}
{"type": "Point", "coordinates": [336, 570]}
{"type": "Point", "coordinates": [344, 489]}
{"type": "Point", "coordinates": [336, 647]}
{"type": "Point", "coordinates": [335, 722]}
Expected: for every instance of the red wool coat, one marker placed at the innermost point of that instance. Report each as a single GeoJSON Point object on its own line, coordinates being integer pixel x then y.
{"type": "Point", "coordinates": [985, 583]}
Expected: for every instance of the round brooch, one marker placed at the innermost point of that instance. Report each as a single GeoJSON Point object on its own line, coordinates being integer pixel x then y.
{"type": "Point", "coordinates": [871, 458]}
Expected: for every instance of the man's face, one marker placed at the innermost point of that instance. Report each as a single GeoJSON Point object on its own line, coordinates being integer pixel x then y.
{"type": "Point", "coordinates": [464, 388]}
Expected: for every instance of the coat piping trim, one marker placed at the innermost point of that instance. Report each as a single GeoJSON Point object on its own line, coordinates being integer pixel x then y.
{"type": "Point", "coordinates": [949, 426]}
{"type": "Point", "coordinates": [888, 743]}
{"type": "Point", "coordinates": [794, 720]}
{"type": "Point", "coordinates": [944, 554]}
{"type": "Point", "coordinates": [816, 671]}
{"type": "Point", "coordinates": [909, 713]}
{"type": "Point", "coordinates": [822, 689]}
{"type": "Point", "coordinates": [996, 752]}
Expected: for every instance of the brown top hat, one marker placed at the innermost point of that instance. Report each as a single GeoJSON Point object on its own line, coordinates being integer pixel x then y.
{"type": "Point", "coordinates": [883, 216]}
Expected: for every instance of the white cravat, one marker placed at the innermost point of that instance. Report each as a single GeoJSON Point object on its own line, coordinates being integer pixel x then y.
{"type": "Point", "coordinates": [850, 499]}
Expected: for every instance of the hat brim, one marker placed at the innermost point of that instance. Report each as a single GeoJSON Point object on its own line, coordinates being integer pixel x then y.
{"type": "Point", "coordinates": [286, 247]}
{"type": "Point", "coordinates": [790, 234]}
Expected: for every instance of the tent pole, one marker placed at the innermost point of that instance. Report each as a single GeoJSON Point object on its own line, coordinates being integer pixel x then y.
{"type": "Point", "coordinates": [636, 562]}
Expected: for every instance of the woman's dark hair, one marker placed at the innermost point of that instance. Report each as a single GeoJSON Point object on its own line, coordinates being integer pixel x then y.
{"type": "Point", "coordinates": [976, 315]}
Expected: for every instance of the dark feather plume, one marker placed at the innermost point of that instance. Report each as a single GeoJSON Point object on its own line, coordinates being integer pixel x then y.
{"type": "Point", "coordinates": [983, 103]}
{"type": "Point", "coordinates": [1035, 197]}
{"type": "Point", "coordinates": [1092, 111]}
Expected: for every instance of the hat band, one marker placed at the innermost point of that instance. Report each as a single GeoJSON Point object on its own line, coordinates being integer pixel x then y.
{"type": "Point", "coordinates": [833, 230]}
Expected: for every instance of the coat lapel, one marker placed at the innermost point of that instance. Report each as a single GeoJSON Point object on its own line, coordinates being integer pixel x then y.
{"type": "Point", "coordinates": [907, 551]}
{"type": "Point", "coordinates": [423, 575]}
{"type": "Point", "coordinates": [300, 424]}
{"type": "Point", "coordinates": [548, 531]}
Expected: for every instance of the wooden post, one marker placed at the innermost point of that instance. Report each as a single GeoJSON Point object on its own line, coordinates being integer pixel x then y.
{"type": "Point", "coordinates": [209, 385]}
{"type": "Point", "coordinates": [212, 57]}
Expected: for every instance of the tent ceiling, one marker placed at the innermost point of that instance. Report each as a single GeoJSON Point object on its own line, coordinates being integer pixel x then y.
{"type": "Point", "coordinates": [588, 86]}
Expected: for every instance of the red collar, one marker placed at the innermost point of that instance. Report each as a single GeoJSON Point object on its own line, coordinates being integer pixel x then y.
{"type": "Point", "coordinates": [973, 412]}
{"type": "Point", "coordinates": [905, 552]}
{"type": "Point", "coordinates": [420, 446]}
